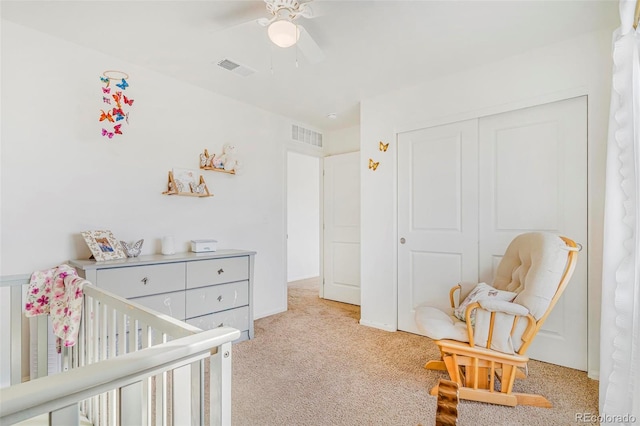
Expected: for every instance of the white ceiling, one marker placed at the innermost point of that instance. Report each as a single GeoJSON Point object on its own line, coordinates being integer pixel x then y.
{"type": "Point", "coordinates": [371, 47]}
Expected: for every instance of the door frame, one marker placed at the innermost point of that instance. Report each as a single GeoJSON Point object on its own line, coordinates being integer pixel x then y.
{"type": "Point", "coordinates": [310, 151]}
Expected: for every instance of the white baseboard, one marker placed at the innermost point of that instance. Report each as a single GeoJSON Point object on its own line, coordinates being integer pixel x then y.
{"type": "Point", "coordinates": [381, 326]}
{"type": "Point", "coordinates": [595, 375]}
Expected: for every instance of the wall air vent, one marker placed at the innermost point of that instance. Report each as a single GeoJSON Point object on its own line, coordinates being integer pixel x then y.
{"type": "Point", "coordinates": [236, 68]}
{"type": "Point", "coordinates": [307, 136]}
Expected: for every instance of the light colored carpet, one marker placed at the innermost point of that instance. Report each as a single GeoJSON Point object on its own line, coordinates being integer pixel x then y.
{"type": "Point", "coordinates": [316, 365]}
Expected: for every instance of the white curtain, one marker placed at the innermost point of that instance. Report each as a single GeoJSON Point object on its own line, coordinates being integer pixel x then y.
{"type": "Point", "coordinates": [620, 327]}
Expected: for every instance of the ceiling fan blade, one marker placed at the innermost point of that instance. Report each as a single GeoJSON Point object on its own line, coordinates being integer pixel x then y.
{"type": "Point", "coordinates": [229, 14]}
{"type": "Point", "coordinates": [309, 11]}
{"type": "Point", "coordinates": [309, 47]}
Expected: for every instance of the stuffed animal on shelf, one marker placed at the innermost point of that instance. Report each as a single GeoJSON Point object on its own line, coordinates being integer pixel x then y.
{"type": "Point", "coordinates": [228, 158]}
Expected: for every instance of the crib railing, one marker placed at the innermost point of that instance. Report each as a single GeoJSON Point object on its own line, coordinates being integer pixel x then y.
{"type": "Point", "coordinates": [131, 366]}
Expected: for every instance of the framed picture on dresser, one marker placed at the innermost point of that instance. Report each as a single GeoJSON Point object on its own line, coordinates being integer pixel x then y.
{"type": "Point", "coordinates": [103, 245]}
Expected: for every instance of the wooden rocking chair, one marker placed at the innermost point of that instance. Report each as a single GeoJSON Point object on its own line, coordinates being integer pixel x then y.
{"type": "Point", "coordinates": [536, 269]}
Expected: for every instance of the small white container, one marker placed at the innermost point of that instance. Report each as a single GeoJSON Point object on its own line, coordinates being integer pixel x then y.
{"type": "Point", "coordinates": [167, 245]}
{"type": "Point", "coordinates": [203, 246]}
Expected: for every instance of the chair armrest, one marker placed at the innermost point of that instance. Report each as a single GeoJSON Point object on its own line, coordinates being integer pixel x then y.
{"type": "Point", "coordinates": [493, 305]}
{"type": "Point", "coordinates": [465, 288]}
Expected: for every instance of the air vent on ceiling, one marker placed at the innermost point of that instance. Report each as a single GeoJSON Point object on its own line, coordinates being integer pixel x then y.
{"type": "Point", "coordinates": [242, 70]}
{"type": "Point", "coordinates": [307, 136]}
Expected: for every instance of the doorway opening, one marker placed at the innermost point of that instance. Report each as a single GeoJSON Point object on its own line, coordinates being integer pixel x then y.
{"type": "Point", "coordinates": [303, 220]}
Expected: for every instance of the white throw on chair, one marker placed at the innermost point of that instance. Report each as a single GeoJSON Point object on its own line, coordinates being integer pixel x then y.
{"type": "Point", "coordinates": [487, 335]}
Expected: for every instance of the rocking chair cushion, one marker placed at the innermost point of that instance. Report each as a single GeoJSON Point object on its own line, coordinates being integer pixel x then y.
{"type": "Point", "coordinates": [493, 305]}
{"type": "Point", "coordinates": [438, 325]}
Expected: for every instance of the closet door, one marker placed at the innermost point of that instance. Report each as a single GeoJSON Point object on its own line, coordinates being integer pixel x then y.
{"type": "Point", "coordinates": [437, 215]}
{"type": "Point", "coordinates": [533, 176]}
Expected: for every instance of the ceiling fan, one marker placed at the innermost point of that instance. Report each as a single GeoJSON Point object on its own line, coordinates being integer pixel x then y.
{"type": "Point", "coordinates": [284, 30]}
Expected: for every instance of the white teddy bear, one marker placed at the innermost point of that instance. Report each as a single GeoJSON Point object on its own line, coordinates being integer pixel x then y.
{"type": "Point", "coordinates": [228, 158]}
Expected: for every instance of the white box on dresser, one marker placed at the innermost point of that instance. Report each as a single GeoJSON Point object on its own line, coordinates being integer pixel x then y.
{"type": "Point", "coordinates": [207, 290]}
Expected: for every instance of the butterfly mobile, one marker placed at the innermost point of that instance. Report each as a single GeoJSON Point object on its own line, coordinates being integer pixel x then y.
{"type": "Point", "coordinates": [121, 101]}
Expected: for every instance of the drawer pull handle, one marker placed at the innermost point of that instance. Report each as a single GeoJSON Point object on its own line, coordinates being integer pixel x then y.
{"type": "Point", "coordinates": [144, 280]}
{"type": "Point", "coordinates": [221, 325]}
{"type": "Point", "coordinates": [220, 271]}
{"type": "Point", "coordinates": [220, 298]}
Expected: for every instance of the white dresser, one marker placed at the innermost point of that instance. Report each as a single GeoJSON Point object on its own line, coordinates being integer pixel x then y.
{"type": "Point", "coordinates": [207, 290]}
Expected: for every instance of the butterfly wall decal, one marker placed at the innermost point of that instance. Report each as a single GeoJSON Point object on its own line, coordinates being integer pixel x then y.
{"type": "Point", "coordinates": [107, 133]}
{"type": "Point", "coordinates": [105, 80]}
{"type": "Point", "coordinates": [116, 129]}
{"type": "Point", "coordinates": [132, 250]}
{"type": "Point", "coordinates": [117, 98]}
{"type": "Point", "coordinates": [118, 114]}
{"type": "Point", "coordinates": [127, 100]}
{"type": "Point", "coordinates": [106, 116]}
{"type": "Point", "coordinates": [123, 85]}
{"type": "Point", "coordinates": [106, 100]}
{"type": "Point", "coordinates": [373, 165]}
{"type": "Point", "coordinates": [106, 90]}
{"type": "Point", "coordinates": [383, 147]}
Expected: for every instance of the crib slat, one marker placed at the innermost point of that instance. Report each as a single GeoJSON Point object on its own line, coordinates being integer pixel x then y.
{"type": "Point", "coordinates": [132, 337]}
{"type": "Point", "coordinates": [159, 387]}
{"type": "Point", "coordinates": [130, 404]}
{"type": "Point", "coordinates": [66, 416]}
{"type": "Point", "coordinates": [42, 344]}
{"type": "Point", "coordinates": [197, 392]}
{"type": "Point", "coordinates": [220, 386]}
{"type": "Point", "coordinates": [16, 334]}
{"type": "Point", "coordinates": [121, 331]}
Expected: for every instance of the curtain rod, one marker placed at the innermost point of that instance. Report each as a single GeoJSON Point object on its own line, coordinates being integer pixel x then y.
{"type": "Point", "coordinates": [636, 16]}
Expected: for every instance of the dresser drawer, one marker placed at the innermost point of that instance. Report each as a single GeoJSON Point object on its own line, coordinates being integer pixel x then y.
{"type": "Point", "coordinates": [136, 281]}
{"type": "Point", "coordinates": [237, 318]}
{"type": "Point", "coordinates": [217, 271]}
{"type": "Point", "coordinates": [172, 304]}
{"type": "Point", "coordinates": [205, 300]}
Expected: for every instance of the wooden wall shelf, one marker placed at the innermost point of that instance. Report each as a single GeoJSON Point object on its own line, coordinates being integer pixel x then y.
{"type": "Point", "coordinates": [206, 163]}
{"type": "Point", "coordinates": [173, 188]}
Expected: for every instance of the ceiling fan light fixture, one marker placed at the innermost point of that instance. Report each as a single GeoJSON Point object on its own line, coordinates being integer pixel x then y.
{"type": "Point", "coordinates": [283, 33]}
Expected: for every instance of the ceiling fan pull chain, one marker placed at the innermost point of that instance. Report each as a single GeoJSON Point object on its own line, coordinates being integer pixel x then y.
{"type": "Point", "coordinates": [271, 57]}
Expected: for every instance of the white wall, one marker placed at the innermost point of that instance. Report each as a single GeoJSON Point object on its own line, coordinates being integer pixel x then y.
{"type": "Point", "coordinates": [341, 141]}
{"type": "Point", "coordinates": [578, 66]}
{"type": "Point", "coordinates": [61, 177]}
{"type": "Point", "coordinates": [303, 216]}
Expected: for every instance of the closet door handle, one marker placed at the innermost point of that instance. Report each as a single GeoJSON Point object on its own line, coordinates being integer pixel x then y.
{"type": "Point", "coordinates": [402, 240]}
{"type": "Point", "coordinates": [220, 271]}
{"type": "Point", "coordinates": [220, 298]}
{"type": "Point", "coordinates": [144, 280]}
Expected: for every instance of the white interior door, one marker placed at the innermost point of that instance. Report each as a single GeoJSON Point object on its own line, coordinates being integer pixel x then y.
{"type": "Point", "coordinates": [342, 228]}
{"type": "Point", "coordinates": [533, 176]}
{"type": "Point", "coordinates": [437, 215]}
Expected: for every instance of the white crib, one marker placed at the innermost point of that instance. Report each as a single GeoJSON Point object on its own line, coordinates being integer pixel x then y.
{"type": "Point", "coordinates": [131, 366]}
